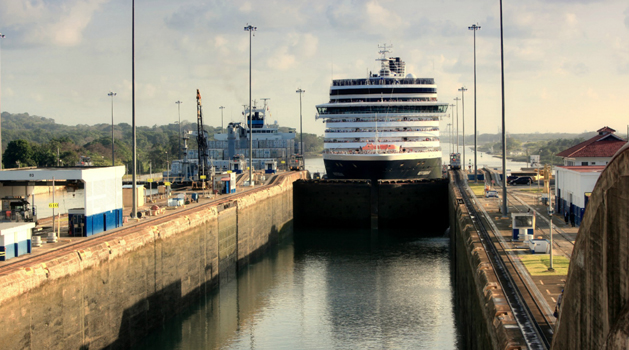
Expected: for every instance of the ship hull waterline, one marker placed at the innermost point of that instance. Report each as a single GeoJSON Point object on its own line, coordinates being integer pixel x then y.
{"type": "Point", "coordinates": [373, 169]}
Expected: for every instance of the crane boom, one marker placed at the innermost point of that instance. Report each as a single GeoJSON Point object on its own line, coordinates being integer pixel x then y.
{"type": "Point", "coordinates": [201, 138]}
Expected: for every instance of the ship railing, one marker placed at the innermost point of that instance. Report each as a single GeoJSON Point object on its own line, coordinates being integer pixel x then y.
{"type": "Point", "coordinates": [401, 151]}
{"type": "Point", "coordinates": [371, 100]}
{"type": "Point", "coordinates": [383, 120]}
{"type": "Point", "coordinates": [383, 140]}
{"type": "Point", "coordinates": [384, 81]}
{"type": "Point", "coordinates": [381, 130]}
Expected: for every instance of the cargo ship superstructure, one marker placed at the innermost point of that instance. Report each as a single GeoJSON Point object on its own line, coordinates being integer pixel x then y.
{"type": "Point", "coordinates": [385, 126]}
{"type": "Point", "coordinates": [230, 148]}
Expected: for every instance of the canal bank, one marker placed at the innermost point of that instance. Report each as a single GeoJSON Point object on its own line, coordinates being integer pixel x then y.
{"type": "Point", "coordinates": [110, 291]}
{"type": "Point", "coordinates": [486, 319]}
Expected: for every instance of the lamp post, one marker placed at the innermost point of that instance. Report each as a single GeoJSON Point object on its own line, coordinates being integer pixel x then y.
{"type": "Point", "coordinates": [463, 89]}
{"type": "Point", "coordinates": [504, 134]}
{"type": "Point", "coordinates": [475, 27]}
{"type": "Point", "coordinates": [301, 133]}
{"type": "Point", "coordinates": [222, 127]}
{"type": "Point", "coordinates": [450, 139]}
{"type": "Point", "coordinates": [451, 128]}
{"type": "Point", "coordinates": [112, 94]}
{"type": "Point", "coordinates": [134, 186]}
{"type": "Point", "coordinates": [249, 28]}
{"type": "Point", "coordinates": [180, 135]}
{"type": "Point", "coordinates": [457, 123]}
{"type": "Point", "coordinates": [1, 37]}
{"type": "Point", "coordinates": [547, 175]}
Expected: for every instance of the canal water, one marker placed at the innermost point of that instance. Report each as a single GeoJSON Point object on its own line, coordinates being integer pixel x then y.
{"type": "Point", "coordinates": [328, 290]}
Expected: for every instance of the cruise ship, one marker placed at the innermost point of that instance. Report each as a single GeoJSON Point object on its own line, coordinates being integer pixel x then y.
{"type": "Point", "coordinates": [385, 126]}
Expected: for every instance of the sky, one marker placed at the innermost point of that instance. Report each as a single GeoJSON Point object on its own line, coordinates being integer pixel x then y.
{"type": "Point", "coordinates": [566, 62]}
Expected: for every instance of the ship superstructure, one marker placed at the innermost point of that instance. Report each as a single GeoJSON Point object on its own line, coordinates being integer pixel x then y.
{"type": "Point", "coordinates": [230, 150]}
{"type": "Point", "coordinates": [385, 126]}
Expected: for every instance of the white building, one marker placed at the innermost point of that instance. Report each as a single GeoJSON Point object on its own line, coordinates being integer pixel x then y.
{"type": "Point", "coordinates": [573, 186]}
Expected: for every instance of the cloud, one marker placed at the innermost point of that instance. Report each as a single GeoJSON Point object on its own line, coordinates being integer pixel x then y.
{"type": "Point", "coordinates": [295, 45]}
{"type": "Point", "coordinates": [41, 23]}
{"type": "Point", "coordinates": [626, 13]}
{"type": "Point", "coordinates": [575, 68]}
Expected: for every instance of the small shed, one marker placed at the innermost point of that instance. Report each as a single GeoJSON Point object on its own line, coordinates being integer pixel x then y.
{"type": "Point", "coordinates": [102, 187]}
{"type": "Point", "coordinates": [573, 185]}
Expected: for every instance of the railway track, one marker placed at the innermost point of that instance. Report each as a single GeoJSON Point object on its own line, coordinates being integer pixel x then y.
{"type": "Point", "coordinates": [537, 335]}
{"type": "Point", "coordinates": [524, 207]}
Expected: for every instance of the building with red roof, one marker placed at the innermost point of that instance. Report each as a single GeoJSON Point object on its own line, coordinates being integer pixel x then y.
{"type": "Point", "coordinates": [583, 164]}
{"type": "Point", "coordinates": [598, 150]}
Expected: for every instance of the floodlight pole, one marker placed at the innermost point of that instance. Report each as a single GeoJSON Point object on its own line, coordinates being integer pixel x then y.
{"type": "Point", "coordinates": [457, 123]}
{"type": "Point", "coordinates": [550, 217]}
{"type": "Point", "coordinates": [1, 37]}
{"type": "Point", "coordinates": [112, 94]}
{"type": "Point", "coordinates": [475, 27]}
{"type": "Point", "coordinates": [134, 207]}
{"type": "Point", "coordinates": [249, 28]}
{"type": "Point", "coordinates": [222, 127]}
{"type": "Point", "coordinates": [301, 131]}
{"type": "Point", "coordinates": [504, 133]}
{"type": "Point", "coordinates": [180, 134]}
{"type": "Point", "coordinates": [463, 89]}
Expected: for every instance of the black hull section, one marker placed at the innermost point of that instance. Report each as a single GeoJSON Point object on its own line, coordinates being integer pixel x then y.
{"type": "Point", "coordinates": [384, 170]}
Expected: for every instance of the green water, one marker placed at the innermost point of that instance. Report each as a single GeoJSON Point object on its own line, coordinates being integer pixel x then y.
{"type": "Point", "coordinates": [327, 290]}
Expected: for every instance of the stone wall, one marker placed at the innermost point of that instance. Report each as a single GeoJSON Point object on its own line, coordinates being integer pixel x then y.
{"type": "Point", "coordinates": [595, 308]}
{"type": "Point", "coordinates": [110, 291]}
{"type": "Point", "coordinates": [484, 317]}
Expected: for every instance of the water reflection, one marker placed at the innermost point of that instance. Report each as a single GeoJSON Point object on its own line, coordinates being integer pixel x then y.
{"type": "Point", "coordinates": [328, 290]}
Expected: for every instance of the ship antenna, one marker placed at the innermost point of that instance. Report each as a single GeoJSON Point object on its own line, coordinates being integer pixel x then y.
{"type": "Point", "coordinates": [264, 108]}
{"type": "Point", "coordinates": [384, 60]}
{"type": "Point", "coordinates": [265, 99]}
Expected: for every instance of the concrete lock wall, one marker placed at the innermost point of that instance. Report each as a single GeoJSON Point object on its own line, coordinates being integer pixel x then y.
{"type": "Point", "coordinates": [595, 309]}
{"type": "Point", "coordinates": [110, 291]}
{"type": "Point", "coordinates": [485, 319]}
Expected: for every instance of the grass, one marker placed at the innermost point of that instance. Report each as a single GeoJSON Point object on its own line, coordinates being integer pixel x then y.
{"type": "Point", "coordinates": [478, 188]}
{"type": "Point", "coordinates": [537, 264]}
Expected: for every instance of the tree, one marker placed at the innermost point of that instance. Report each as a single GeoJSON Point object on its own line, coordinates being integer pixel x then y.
{"type": "Point", "coordinates": [18, 153]}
